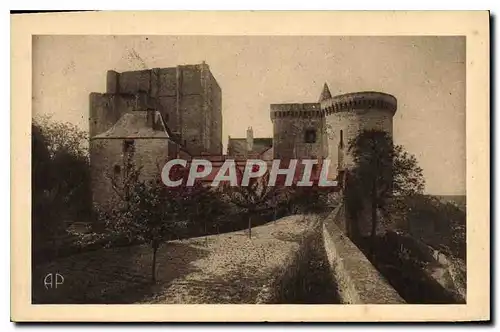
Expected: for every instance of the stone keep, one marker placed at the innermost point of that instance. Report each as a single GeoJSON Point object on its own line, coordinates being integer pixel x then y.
{"type": "Point", "coordinates": [141, 118]}
{"type": "Point", "coordinates": [187, 96]}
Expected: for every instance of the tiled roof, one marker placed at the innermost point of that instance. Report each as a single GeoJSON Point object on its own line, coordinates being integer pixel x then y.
{"type": "Point", "coordinates": [134, 125]}
{"type": "Point", "coordinates": [238, 146]}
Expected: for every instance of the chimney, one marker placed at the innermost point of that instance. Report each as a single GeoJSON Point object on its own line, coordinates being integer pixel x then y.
{"type": "Point", "coordinates": [249, 139]}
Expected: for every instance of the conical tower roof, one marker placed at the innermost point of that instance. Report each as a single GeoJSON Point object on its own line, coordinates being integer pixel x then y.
{"type": "Point", "coordinates": [325, 94]}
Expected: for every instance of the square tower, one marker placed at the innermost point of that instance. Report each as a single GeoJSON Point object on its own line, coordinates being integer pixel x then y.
{"type": "Point", "coordinates": [298, 131]}
{"type": "Point", "coordinates": [187, 96]}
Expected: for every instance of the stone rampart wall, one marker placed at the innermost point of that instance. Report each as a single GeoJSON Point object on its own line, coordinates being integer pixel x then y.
{"type": "Point", "coordinates": [358, 282]}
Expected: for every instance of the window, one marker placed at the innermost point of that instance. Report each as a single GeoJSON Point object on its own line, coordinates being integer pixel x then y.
{"type": "Point", "coordinates": [128, 146]}
{"type": "Point", "coordinates": [117, 169]}
{"type": "Point", "coordinates": [310, 136]}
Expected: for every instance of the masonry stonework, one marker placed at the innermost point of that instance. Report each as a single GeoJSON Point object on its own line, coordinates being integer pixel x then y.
{"type": "Point", "coordinates": [109, 154]}
{"type": "Point", "coordinates": [298, 131]}
{"type": "Point", "coordinates": [337, 120]}
{"type": "Point", "coordinates": [183, 112]}
{"type": "Point", "coordinates": [188, 97]}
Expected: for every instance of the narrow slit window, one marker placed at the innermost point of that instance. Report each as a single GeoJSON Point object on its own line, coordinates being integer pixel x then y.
{"type": "Point", "coordinates": [310, 136]}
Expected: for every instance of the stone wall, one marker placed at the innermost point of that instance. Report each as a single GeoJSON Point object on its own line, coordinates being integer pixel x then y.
{"type": "Point", "coordinates": [188, 97]}
{"type": "Point", "coordinates": [282, 287]}
{"type": "Point", "coordinates": [108, 161]}
{"type": "Point", "coordinates": [134, 81]}
{"type": "Point", "coordinates": [291, 122]}
{"type": "Point", "coordinates": [214, 98]}
{"type": "Point", "coordinates": [337, 121]}
{"type": "Point", "coordinates": [105, 109]}
{"type": "Point", "coordinates": [358, 282]}
{"type": "Point", "coordinates": [193, 123]}
{"type": "Point", "coordinates": [354, 280]}
{"type": "Point", "coordinates": [348, 125]}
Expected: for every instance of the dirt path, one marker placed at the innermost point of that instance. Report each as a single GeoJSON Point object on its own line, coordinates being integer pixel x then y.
{"type": "Point", "coordinates": [236, 267]}
{"type": "Point", "coordinates": [226, 268]}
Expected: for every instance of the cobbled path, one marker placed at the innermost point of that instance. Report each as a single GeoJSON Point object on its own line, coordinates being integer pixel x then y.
{"type": "Point", "coordinates": [225, 268]}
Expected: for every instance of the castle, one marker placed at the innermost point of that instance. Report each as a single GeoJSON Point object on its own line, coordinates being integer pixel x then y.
{"type": "Point", "coordinates": [151, 116]}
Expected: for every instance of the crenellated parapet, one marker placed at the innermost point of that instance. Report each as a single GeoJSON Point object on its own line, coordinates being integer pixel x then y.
{"type": "Point", "coordinates": [341, 103]}
{"type": "Point", "coordinates": [304, 110]}
{"type": "Point", "coordinates": [360, 100]}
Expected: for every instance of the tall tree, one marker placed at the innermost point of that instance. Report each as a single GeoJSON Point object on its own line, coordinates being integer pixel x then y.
{"type": "Point", "coordinates": [381, 172]}
{"type": "Point", "coordinates": [60, 178]}
{"type": "Point", "coordinates": [66, 171]}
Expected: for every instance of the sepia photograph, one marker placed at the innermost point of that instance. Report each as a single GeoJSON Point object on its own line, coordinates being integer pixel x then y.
{"type": "Point", "coordinates": [250, 169]}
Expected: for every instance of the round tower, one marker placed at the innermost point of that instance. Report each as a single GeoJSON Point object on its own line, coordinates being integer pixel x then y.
{"type": "Point", "coordinates": [347, 115]}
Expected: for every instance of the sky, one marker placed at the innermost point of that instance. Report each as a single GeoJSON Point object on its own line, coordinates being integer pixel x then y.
{"type": "Point", "coordinates": [425, 74]}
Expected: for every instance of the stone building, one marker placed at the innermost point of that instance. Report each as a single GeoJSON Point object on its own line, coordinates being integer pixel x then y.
{"type": "Point", "coordinates": [324, 129]}
{"type": "Point", "coordinates": [147, 117]}
{"type": "Point", "coordinates": [137, 140]}
{"type": "Point", "coordinates": [250, 147]}
{"type": "Point", "coordinates": [319, 130]}
{"type": "Point", "coordinates": [348, 114]}
{"type": "Point", "coordinates": [188, 97]}
{"type": "Point", "coordinates": [298, 131]}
